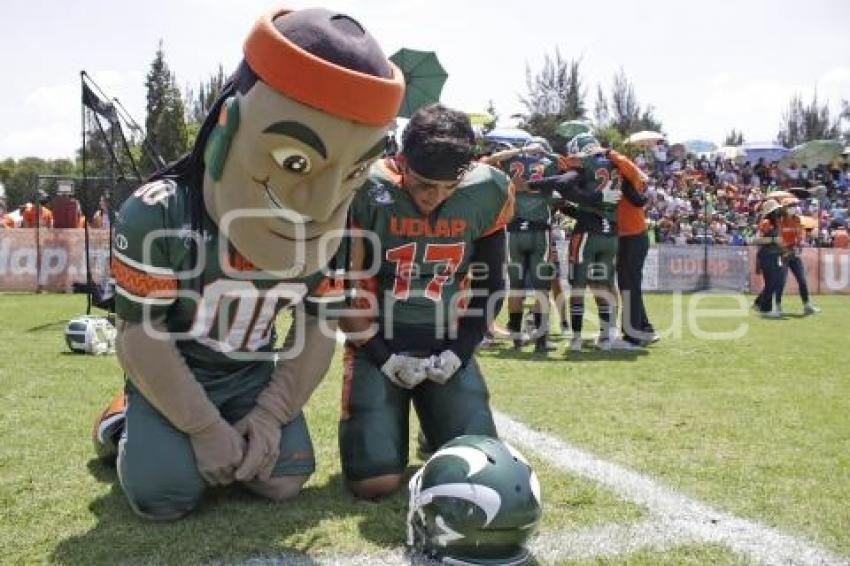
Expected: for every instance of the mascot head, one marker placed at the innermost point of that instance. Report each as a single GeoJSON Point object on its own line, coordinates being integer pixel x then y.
{"type": "Point", "coordinates": [293, 135]}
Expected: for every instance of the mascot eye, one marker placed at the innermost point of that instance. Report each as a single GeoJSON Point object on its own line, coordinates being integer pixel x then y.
{"type": "Point", "coordinates": [359, 171]}
{"type": "Point", "coordinates": [292, 160]}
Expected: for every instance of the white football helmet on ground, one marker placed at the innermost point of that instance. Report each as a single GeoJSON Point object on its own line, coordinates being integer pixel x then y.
{"type": "Point", "coordinates": [90, 335]}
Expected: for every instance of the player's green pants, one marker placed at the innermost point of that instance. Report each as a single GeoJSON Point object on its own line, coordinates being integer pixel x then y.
{"type": "Point", "coordinates": [528, 260]}
{"type": "Point", "coordinates": [156, 463]}
{"type": "Point", "coordinates": [373, 429]}
{"type": "Point", "coordinates": [592, 259]}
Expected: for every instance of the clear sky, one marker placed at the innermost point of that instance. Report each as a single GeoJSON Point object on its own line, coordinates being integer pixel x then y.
{"type": "Point", "coordinates": [707, 67]}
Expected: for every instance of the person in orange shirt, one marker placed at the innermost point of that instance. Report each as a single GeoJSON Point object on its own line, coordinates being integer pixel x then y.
{"type": "Point", "coordinates": [632, 248]}
{"type": "Point", "coordinates": [45, 217]}
{"type": "Point", "coordinates": [791, 232]}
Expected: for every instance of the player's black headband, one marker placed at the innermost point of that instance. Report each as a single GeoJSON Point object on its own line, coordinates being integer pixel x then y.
{"type": "Point", "coordinates": [439, 167]}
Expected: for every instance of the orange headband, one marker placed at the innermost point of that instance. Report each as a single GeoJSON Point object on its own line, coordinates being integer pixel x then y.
{"type": "Point", "coordinates": [311, 80]}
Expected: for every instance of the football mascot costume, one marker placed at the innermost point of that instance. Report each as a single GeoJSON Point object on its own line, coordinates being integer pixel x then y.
{"type": "Point", "coordinates": [211, 249]}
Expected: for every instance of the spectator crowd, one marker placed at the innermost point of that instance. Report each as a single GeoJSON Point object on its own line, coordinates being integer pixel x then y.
{"type": "Point", "coordinates": [698, 200]}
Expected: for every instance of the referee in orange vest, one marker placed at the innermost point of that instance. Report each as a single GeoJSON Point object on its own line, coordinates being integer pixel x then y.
{"type": "Point", "coordinates": [633, 246]}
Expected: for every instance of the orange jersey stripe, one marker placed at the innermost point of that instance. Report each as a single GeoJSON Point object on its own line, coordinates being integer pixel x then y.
{"type": "Point", "coordinates": [141, 284]}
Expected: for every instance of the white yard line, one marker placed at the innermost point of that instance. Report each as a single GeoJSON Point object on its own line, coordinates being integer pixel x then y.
{"type": "Point", "coordinates": [608, 541]}
{"type": "Point", "coordinates": [675, 519]}
{"type": "Point", "coordinates": [692, 519]}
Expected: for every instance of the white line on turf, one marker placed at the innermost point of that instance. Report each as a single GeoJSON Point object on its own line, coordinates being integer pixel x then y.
{"type": "Point", "coordinates": [676, 520]}
{"type": "Point", "coordinates": [692, 519]}
{"type": "Point", "coordinates": [608, 541]}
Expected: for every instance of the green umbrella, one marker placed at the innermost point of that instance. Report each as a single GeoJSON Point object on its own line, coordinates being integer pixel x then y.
{"type": "Point", "coordinates": [571, 128]}
{"type": "Point", "coordinates": [814, 153]}
{"type": "Point", "coordinates": [424, 78]}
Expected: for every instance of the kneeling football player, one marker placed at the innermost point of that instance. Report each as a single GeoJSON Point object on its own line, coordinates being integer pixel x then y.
{"type": "Point", "coordinates": [437, 226]}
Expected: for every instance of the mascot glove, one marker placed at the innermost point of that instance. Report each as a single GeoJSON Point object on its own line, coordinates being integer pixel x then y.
{"type": "Point", "coordinates": [611, 196]}
{"type": "Point", "coordinates": [443, 366]}
{"type": "Point", "coordinates": [218, 451]}
{"type": "Point", "coordinates": [262, 432]}
{"type": "Point", "coordinates": [406, 371]}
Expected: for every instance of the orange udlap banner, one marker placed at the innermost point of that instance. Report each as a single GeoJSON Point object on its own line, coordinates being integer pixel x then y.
{"type": "Point", "coordinates": [55, 262]}
{"type": "Point", "coordinates": [58, 261]}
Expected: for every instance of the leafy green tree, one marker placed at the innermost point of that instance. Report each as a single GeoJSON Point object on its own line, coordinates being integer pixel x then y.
{"type": "Point", "coordinates": [21, 177]}
{"type": "Point", "coordinates": [610, 136]}
{"type": "Point", "coordinates": [555, 94]}
{"type": "Point", "coordinates": [648, 120]}
{"type": "Point", "coordinates": [7, 167]}
{"type": "Point", "coordinates": [802, 123]}
{"type": "Point", "coordinates": [734, 137]}
{"type": "Point", "coordinates": [491, 110]}
{"type": "Point", "coordinates": [165, 124]}
{"type": "Point", "coordinates": [199, 102]}
{"type": "Point", "coordinates": [624, 111]}
{"type": "Point", "coordinates": [600, 108]}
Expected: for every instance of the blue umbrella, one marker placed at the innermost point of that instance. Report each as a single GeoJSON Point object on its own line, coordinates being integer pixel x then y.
{"type": "Point", "coordinates": [512, 136]}
{"type": "Point", "coordinates": [766, 150]}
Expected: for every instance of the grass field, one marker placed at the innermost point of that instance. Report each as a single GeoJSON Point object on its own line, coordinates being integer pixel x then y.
{"type": "Point", "coordinates": [758, 426]}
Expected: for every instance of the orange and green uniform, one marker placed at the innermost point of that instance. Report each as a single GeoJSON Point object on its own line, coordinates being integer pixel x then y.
{"type": "Point", "coordinates": [221, 312]}
{"type": "Point", "coordinates": [424, 266]}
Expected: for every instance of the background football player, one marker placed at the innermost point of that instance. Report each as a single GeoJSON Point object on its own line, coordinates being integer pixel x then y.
{"type": "Point", "coordinates": [593, 246]}
{"type": "Point", "coordinates": [439, 221]}
{"type": "Point", "coordinates": [529, 262]}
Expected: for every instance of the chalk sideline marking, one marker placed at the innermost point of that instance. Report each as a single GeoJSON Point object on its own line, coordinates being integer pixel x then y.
{"type": "Point", "coordinates": [675, 520]}
{"type": "Point", "coordinates": [686, 519]}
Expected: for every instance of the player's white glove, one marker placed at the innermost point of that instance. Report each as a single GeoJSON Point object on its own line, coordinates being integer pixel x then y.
{"type": "Point", "coordinates": [406, 371]}
{"type": "Point", "coordinates": [443, 366]}
{"type": "Point", "coordinates": [611, 196]}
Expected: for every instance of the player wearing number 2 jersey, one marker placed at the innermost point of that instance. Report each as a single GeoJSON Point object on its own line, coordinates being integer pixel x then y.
{"type": "Point", "coordinates": [438, 245]}
{"type": "Point", "coordinates": [529, 264]}
{"type": "Point", "coordinates": [593, 246]}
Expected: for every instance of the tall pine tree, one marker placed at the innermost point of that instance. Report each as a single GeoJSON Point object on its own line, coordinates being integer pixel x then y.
{"type": "Point", "coordinates": [626, 114]}
{"type": "Point", "coordinates": [801, 123]}
{"type": "Point", "coordinates": [165, 123]}
{"type": "Point", "coordinates": [555, 94]}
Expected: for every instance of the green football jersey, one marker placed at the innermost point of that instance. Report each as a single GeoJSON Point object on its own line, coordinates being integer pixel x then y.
{"type": "Point", "coordinates": [529, 167]}
{"type": "Point", "coordinates": [218, 307]}
{"type": "Point", "coordinates": [598, 172]}
{"type": "Point", "coordinates": [531, 206]}
{"type": "Point", "coordinates": [423, 262]}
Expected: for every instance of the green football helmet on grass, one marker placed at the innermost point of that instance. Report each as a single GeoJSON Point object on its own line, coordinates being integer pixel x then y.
{"type": "Point", "coordinates": [475, 501]}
